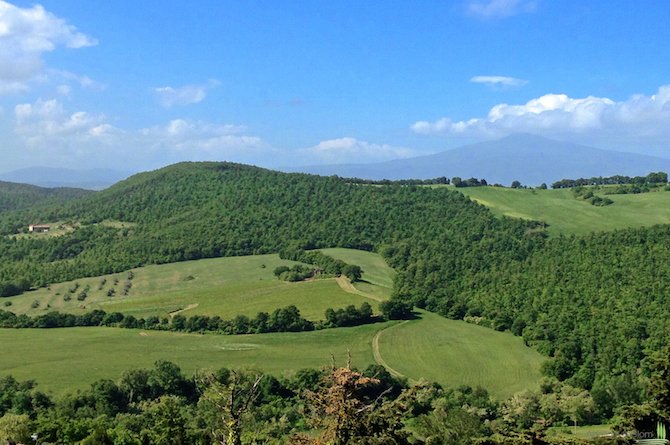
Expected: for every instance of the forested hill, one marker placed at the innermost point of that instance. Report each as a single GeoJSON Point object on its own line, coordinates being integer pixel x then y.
{"type": "Point", "coordinates": [196, 210]}
{"type": "Point", "coordinates": [598, 304]}
{"type": "Point", "coordinates": [14, 196]}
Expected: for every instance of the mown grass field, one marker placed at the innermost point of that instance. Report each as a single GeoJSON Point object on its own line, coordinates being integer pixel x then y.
{"type": "Point", "coordinates": [221, 286]}
{"type": "Point", "coordinates": [454, 353]}
{"type": "Point", "coordinates": [565, 214]}
{"type": "Point", "coordinates": [72, 358]}
{"type": "Point", "coordinates": [433, 348]}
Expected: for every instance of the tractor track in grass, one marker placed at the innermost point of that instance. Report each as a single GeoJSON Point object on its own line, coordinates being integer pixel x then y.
{"type": "Point", "coordinates": [347, 286]}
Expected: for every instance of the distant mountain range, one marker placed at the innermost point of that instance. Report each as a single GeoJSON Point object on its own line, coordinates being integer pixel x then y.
{"type": "Point", "coordinates": [94, 179]}
{"type": "Point", "coordinates": [523, 157]}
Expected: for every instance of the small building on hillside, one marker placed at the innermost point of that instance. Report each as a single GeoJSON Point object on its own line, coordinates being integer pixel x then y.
{"type": "Point", "coordinates": [38, 228]}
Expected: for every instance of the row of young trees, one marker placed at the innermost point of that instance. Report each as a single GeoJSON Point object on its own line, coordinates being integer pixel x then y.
{"type": "Point", "coordinates": [287, 319]}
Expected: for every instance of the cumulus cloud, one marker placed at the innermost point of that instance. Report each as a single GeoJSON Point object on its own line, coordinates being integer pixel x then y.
{"type": "Point", "coordinates": [498, 9]}
{"type": "Point", "coordinates": [185, 95]}
{"type": "Point", "coordinates": [45, 124]}
{"type": "Point", "coordinates": [640, 118]}
{"type": "Point", "coordinates": [199, 140]}
{"type": "Point", "coordinates": [25, 35]}
{"type": "Point", "coordinates": [350, 150]}
{"type": "Point", "coordinates": [499, 82]}
{"type": "Point", "coordinates": [46, 130]}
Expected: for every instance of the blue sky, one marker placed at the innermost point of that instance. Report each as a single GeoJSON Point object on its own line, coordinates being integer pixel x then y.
{"type": "Point", "coordinates": [137, 85]}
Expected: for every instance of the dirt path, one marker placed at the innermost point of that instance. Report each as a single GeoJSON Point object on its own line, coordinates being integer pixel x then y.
{"type": "Point", "coordinates": [378, 356]}
{"type": "Point", "coordinates": [187, 308]}
{"type": "Point", "coordinates": [346, 286]}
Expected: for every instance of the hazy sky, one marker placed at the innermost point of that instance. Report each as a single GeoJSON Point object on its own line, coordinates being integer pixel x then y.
{"type": "Point", "coordinates": [139, 84]}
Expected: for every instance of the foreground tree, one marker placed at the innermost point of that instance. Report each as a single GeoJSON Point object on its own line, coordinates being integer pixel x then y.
{"type": "Point", "coordinates": [343, 414]}
{"type": "Point", "coordinates": [228, 398]}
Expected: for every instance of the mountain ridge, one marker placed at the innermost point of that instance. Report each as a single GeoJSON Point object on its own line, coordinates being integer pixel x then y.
{"type": "Point", "coordinates": [521, 157]}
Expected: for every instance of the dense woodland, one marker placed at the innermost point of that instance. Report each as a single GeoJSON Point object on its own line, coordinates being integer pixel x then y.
{"type": "Point", "coordinates": [20, 196]}
{"type": "Point", "coordinates": [597, 304]}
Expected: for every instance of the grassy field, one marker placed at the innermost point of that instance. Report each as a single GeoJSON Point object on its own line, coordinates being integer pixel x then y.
{"type": "Point", "coordinates": [454, 353]}
{"type": "Point", "coordinates": [71, 358]}
{"type": "Point", "coordinates": [432, 348]}
{"type": "Point", "coordinates": [565, 215]}
{"type": "Point", "coordinates": [221, 286]}
{"type": "Point", "coordinates": [377, 279]}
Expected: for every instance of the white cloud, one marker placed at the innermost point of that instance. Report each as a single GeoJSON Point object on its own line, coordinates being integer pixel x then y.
{"type": "Point", "coordinates": [45, 130]}
{"type": "Point", "coordinates": [185, 95]}
{"type": "Point", "coordinates": [45, 125]}
{"type": "Point", "coordinates": [498, 82]}
{"type": "Point", "coordinates": [25, 35]}
{"type": "Point", "coordinates": [351, 150]}
{"type": "Point", "coordinates": [202, 140]}
{"type": "Point", "coordinates": [498, 9]}
{"type": "Point", "coordinates": [640, 119]}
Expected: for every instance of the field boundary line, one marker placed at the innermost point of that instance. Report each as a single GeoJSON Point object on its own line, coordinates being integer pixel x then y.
{"type": "Point", "coordinates": [376, 353]}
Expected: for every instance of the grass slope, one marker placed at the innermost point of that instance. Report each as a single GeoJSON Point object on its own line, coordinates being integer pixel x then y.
{"type": "Point", "coordinates": [377, 278]}
{"type": "Point", "coordinates": [434, 348]}
{"type": "Point", "coordinates": [457, 353]}
{"type": "Point", "coordinates": [72, 358]}
{"type": "Point", "coordinates": [221, 286]}
{"type": "Point", "coordinates": [566, 215]}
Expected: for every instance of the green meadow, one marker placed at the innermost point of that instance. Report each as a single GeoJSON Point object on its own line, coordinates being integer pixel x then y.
{"type": "Point", "coordinates": [220, 286]}
{"type": "Point", "coordinates": [431, 347]}
{"type": "Point", "coordinates": [377, 279]}
{"type": "Point", "coordinates": [564, 214]}
{"type": "Point", "coordinates": [454, 353]}
{"type": "Point", "coordinates": [72, 358]}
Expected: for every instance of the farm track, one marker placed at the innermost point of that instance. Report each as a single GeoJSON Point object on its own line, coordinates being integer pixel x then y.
{"type": "Point", "coordinates": [378, 356]}
{"type": "Point", "coordinates": [187, 308]}
{"type": "Point", "coordinates": [346, 286]}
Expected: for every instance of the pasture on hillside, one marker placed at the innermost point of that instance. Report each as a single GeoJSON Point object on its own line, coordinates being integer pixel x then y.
{"type": "Point", "coordinates": [453, 353]}
{"type": "Point", "coordinates": [220, 286]}
{"type": "Point", "coordinates": [377, 278]}
{"type": "Point", "coordinates": [72, 358]}
{"type": "Point", "coordinates": [566, 214]}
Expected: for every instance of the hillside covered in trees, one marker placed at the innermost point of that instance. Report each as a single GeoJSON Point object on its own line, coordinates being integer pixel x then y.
{"type": "Point", "coordinates": [15, 196]}
{"type": "Point", "coordinates": [596, 304]}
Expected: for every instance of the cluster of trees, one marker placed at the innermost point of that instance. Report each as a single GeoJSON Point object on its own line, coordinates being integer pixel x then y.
{"type": "Point", "coordinates": [326, 264]}
{"type": "Point", "coordinates": [340, 406]}
{"type": "Point", "coordinates": [296, 273]}
{"type": "Point", "coordinates": [470, 182]}
{"type": "Point", "coordinates": [287, 319]}
{"type": "Point", "coordinates": [651, 179]}
{"type": "Point", "coordinates": [588, 195]}
{"type": "Point", "coordinates": [349, 316]}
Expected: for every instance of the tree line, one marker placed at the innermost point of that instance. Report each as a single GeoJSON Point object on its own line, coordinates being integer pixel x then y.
{"type": "Point", "coordinates": [651, 179]}
{"type": "Point", "coordinates": [339, 405]}
{"type": "Point", "coordinates": [286, 319]}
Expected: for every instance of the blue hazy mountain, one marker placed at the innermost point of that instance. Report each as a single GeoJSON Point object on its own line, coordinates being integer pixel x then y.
{"type": "Point", "coordinates": [523, 157]}
{"type": "Point", "coordinates": [94, 179]}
